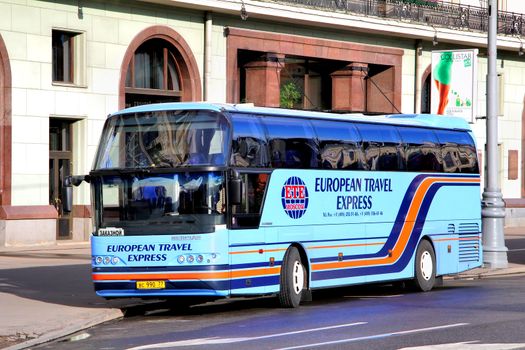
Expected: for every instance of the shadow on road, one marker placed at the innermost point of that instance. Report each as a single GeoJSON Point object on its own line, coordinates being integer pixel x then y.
{"type": "Point", "coordinates": [324, 297]}
{"type": "Point", "coordinates": [68, 285]}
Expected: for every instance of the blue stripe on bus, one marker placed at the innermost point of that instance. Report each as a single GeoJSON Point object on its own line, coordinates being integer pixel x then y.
{"type": "Point", "coordinates": [170, 285]}
{"type": "Point", "coordinates": [185, 268]}
{"type": "Point", "coordinates": [307, 242]}
{"type": "Point", "coordinates": [254, 265]}
{"type": "Point", "coordinates": [398, 224]}
{"type": "Point", "coordinates": [408, 251]}
{"type": "Point", "coordinates": [168, 269]}
{"type": "Point", "coordinates": [255, 282]}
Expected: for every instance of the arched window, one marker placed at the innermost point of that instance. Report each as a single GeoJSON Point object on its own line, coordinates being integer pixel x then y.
{"type": "Point", "coordinates": [153, 74]}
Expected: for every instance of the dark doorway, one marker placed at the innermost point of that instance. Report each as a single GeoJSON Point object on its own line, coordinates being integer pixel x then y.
{"type": "Point", "coordinates": [425, 95]}
{"type": "Point", "coordinates": [60, 165]}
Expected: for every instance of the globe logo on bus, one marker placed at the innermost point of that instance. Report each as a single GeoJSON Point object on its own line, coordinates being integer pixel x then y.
{"type": "Point", "coordinates": [294, 197]}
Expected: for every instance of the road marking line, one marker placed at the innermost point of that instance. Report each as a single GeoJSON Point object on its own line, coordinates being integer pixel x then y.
{"type": "Point", "coordinates": [217, 340]}
{"type": "Point", "coordinates": [374, 296]}
{"type": "Point", "coordinates": [377, 336]}
{"type": "Point", "coordinates": [469, 345]}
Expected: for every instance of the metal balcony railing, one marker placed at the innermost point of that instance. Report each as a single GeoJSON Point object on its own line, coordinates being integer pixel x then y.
{"type": "Point", "coordinates": [428, 12]}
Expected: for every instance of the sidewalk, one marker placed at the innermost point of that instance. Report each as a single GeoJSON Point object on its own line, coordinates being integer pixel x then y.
{"type": "Point", "coordinates": [512, 269]}
{"type": "Point", "coordinates": [46, 292]}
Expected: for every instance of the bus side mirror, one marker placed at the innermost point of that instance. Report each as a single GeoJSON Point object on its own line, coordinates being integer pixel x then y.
{"type": "Point", "coordinates": [67, 190]}
{"type": "Point", "coordinates": [235, 189]}
{"type": "Point", "coordinates": [67, 195]}
{"type": "Point", "coordinates": [67, 198]}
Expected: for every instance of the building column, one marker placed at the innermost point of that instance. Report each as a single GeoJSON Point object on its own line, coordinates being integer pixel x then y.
{"type": "Point", "coordinates": [263, 80]}
{"type": "Point", "coordinates": [349, 88]}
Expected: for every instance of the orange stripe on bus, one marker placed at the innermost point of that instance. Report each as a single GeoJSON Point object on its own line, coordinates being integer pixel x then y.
{"type": "Point", "coordinates": [406, 230]}
{"type": "Point", "coordinates": [186, 275]}
{"type": "Point", "coordinates": [346, 245]}
{"type": "Point", "coordinates": [252, 273]}
{"type": "Point", "coordinates": [160, 276]}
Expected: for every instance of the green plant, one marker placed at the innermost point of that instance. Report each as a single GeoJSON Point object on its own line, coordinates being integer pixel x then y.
{"type": "Point", "coordinates": [289, 94]}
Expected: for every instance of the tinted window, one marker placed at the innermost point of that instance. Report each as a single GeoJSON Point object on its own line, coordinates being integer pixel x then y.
{"type": "Point", "coordinates": [421, 149]}
{"type": "Point", "coordinates": [458, 152]}
{"type": "Point", "coordinates": [163, 139]}
{"type": "Point", "coordinates": [249, 147]}
{"type": "Point", "coordinates": [248, 213]}
{"type": "Point", "coordinates": [339, 145]}
{"type": "Point", "coordinates": [292, 143]}
{"type": "Point", "coordinates": [382, 147]}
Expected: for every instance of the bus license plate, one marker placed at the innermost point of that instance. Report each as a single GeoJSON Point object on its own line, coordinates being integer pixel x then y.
{"type": "Point", "coordinates": [151, 284]}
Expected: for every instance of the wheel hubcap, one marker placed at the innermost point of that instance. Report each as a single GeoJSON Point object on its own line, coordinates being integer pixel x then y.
{"type": "Point", "coordinates": [426, 265]}
{"type": "Point", "coordinates": [298, 277]}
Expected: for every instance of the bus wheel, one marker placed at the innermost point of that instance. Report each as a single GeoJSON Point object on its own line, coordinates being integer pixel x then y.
{"type": "Point", "coordinates": [293, 279]}
{"type": "Point", "coordinates": [425, 267]}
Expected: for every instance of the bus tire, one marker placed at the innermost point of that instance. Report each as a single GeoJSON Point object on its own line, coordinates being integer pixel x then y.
{"type": "Point", "coordinates": [425, 269]}
{"type": "Point", "coordinates": [293, 279]}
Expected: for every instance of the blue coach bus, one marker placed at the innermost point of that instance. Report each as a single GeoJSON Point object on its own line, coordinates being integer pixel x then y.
{"type": "Point", "coordinates": [218, 200]}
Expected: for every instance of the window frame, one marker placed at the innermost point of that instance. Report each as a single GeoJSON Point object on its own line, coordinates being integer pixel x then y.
{"type": "Point", "coordinates": [76, 72]}
{"type": "Point", "coordinates": [164, 91]}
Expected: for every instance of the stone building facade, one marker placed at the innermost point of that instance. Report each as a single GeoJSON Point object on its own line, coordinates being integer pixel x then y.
{"type": "Point", "coordinates": [65, 65]}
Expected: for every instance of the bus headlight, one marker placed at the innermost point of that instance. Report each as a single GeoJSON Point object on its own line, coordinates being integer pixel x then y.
{"type": "Point", "coordinates": [190, 258]}
{"type": "Point", "coordinates": [107, 259]}
{"type": "Point", "coordinates": [200, 258]}
{"type": "Point", "coordinates": [98, 260]}
{"type": "Point", "coordinates": [181, 259]}
{"type": "Point", "coordinates": [114, 260]}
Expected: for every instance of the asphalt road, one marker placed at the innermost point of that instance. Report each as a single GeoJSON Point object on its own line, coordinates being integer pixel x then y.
{"type": "Point", "coordinates": [472, 312]}
{"type": "Point", "coordinates": [479, 314]}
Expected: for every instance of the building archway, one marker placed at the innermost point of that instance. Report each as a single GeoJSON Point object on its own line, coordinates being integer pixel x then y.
{"type": "Point", "coordinates": [158, 66]}
{"type": "Point", "coordinates": [5, 126]}
{"type": "Point", "coordinates": [426, 86]}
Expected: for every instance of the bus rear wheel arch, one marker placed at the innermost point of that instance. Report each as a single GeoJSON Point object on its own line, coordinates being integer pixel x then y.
{"type": "Point", "coordinates": [425, 266]}
{"type": "Point", "coordinates": [293, 280]}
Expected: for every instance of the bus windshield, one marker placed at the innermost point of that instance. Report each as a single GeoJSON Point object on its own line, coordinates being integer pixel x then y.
{"type": "Point", "coordinates": [163, 139]}
{"type": "Point", "coordinates": [153, 204]}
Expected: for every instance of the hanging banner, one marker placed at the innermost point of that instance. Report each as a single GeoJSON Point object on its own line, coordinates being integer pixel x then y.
{"type": "Point", "coordinates": [454, 83]}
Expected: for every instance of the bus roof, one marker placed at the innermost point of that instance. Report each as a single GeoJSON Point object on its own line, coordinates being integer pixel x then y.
{"type": "Point", "coordinates": [423, 120]}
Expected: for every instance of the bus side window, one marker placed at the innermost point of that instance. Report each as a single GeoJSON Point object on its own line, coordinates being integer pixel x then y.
{"type": "Point", "coordinates": [248, 213]}
{"type": "Point", "coordinates": [459, 152]}
{"type": "Point", "coordinates": [249, 147]}
{"type": "Point", "coordinates": [249, 152]}
{"type": "Point", "coordinates": [383, 147]}
{"type": "Point", "coordinates": [421, 149]}
{"type": "Point", "coordinates": [468, 159]}
{"type": "Point", "coordinates": [292, 143]}
{"type": "Point", "coordinates": [450, 158]}
{"type": "Point", "coordinates": [339, 145]}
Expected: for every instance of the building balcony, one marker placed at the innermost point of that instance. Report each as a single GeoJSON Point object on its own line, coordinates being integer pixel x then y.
{"type": "Point", "coordinates": [425, 12]}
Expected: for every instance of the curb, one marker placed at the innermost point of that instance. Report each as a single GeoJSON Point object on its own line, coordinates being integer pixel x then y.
{"type": "Point", "coordinates": [482, 273]}
{"type": "Point", "coordinates": [104, 316]}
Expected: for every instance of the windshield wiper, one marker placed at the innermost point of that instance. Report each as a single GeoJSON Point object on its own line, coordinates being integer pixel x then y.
{"type": "Point", "coordinates": [124, 171]}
